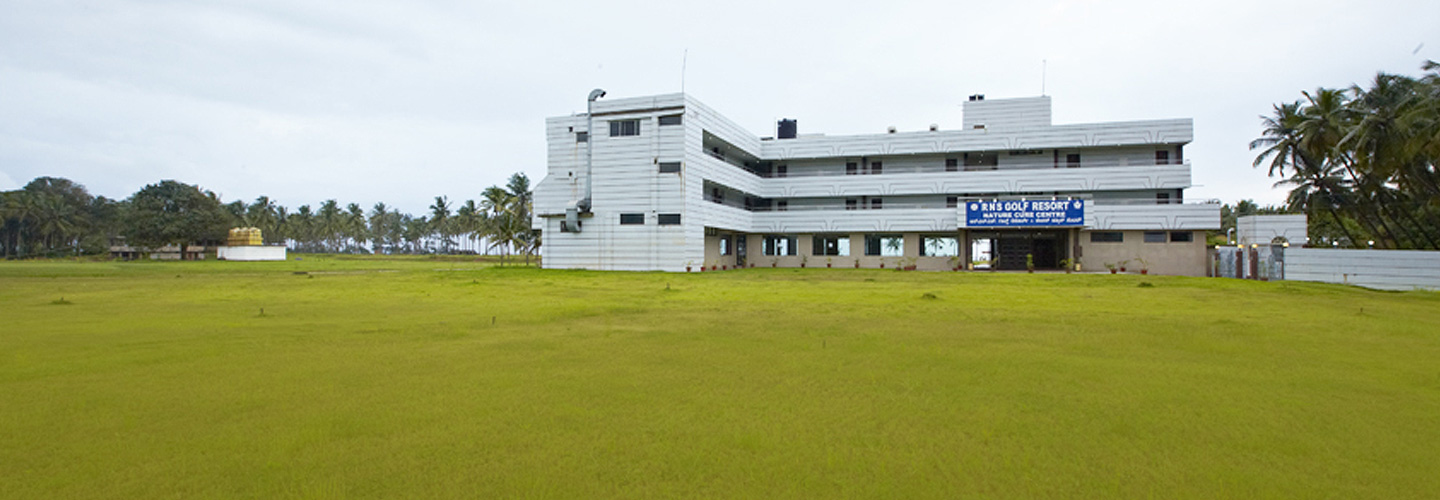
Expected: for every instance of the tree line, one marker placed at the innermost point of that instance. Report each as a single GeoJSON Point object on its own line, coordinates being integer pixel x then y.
{"type": "Point", "coordinates": [54, 216]}
{"type": "Point", "coordinates": [1362, 161]}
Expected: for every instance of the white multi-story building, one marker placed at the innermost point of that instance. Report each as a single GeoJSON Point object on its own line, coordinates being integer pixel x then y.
{"type": "Point", "coordinates": [678, 186]}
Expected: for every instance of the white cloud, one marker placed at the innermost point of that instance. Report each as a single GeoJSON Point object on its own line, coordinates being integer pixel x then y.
{"type": "Point", "coordinates": [377, 101]}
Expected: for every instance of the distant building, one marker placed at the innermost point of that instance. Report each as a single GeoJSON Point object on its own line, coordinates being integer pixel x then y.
{"type": "Point", "coordinates": [169, 252]}
{"type": "Point", "coordinates": [678, 185]}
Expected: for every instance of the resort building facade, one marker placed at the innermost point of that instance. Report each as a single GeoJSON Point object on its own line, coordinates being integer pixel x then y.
{"type": "Point", "coordinates": [678, 186]}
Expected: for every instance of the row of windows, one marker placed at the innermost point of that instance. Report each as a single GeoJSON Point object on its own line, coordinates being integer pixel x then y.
{"type": "Point", "coordinates": [973, 161]}
{"type": "Point", "coordinates": [1150, 237]}
{"type": "Point", "coordinates": [880, 245]}
{"type": "Point", "coordinates": [639, 219]}
{"type": "Point", "coordinates": [630, 128]}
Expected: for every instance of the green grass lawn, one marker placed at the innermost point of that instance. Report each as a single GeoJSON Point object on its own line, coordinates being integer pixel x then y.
{"type": "Point", "coordinates": [421, 378]}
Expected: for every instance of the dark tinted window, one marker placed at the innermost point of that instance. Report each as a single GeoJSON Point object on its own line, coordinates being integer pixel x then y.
{"type": "Point", "coordinates": [669, 219]}
{"type": "Point", "coordinates": [1154, 236]}
{"type": "Point", "coordinates": [1107, 237]}
{"type": "Point", "coordinates": [670, 120]}
{"type": "Point", "coordinates": [624, 128]}
{"type": "Point", "coordinates": [669, 167]}
{"type": "Point", "coordinates": [1181, 236]}
{"type": "Point", "coordinates": [628, 219]}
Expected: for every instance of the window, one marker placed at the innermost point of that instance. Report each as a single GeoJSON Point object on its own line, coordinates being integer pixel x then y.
{"type": "Point", "coordinates": [782, 205]}
{"type": "Point", "coordinates": [725, 245]}
{"type": "Point", "coordinates": [670, 120]}
{"type": "Point", "coordinates": [1162, 157]}
{"type": "Point", "coordinates": [717, 195]}
{"type": "Point", "coordinates": [836, 245]}
{"type": "Point", "coordinates": [884, 245]}
{"type": "Point", "coordinates": [631, 219]}
{"type": "Point", "coordinates": [624, 128]}
{"type": "Point", "coordinates": [850, 204]}
{"type": "Point", "coordinates": [939, 246]}
{"type": "Point", "coordinates": [952, 165]}
{"type": "Point", "coordinates": [1072, 160]}
{"type": "Point", "coordinates": [981, 161]}
{"type": "Point", "coordinates": [851, 168]}
{"type": "Point", "coordinates": [876, 167]}
{"type": "Point", "coordinates": [1162, 198]}
{"type": "Point", "coordinates": [1154, 236]}
{"type": "Point", "coordinates": [1181, 236]}
{"type": "Point", "coordinates": [1107, 237]}
{"type": "Point", "coordinates": [780, 245]}
{"type": "Point", "coordinates": [952, 202]}
{"type": "Point", "coordinates": [669, 219]}
{"type": "Point", "coordinates": [582, 137]}
{"type": "Point", "coordinates": [875, 203]}
{"type": "Point", "coordinates": [669, 167]}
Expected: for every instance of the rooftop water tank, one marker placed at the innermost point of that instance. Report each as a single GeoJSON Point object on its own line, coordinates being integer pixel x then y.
{"type": "Point", "coordinates": [787, 129]}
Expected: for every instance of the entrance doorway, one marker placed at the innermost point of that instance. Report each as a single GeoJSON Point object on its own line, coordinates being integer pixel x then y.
{"type": "Point", "coordinates": [740, 251]}
{"type": "Point", "coordinates": [1010, 248]}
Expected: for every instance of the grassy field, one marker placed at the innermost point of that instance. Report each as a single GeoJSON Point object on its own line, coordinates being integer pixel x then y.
{"type": "Point", "coordinates": [422, 378]}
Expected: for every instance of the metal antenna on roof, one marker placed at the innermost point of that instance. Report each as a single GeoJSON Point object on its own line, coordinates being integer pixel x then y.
{"type": "Point", "coordinates": [683, 59]}
{"type": "Point", "coordinates": [1043, 64]}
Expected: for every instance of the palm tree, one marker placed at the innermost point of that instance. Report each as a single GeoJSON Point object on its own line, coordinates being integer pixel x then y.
{"type": "Point", "coordinates": [302, 225]}
{"type": "Point", "coordinates": [379, 231]}
{"type": "Point", "coordinates": [16, 210]}
{"type": "Point", "coordinates": [329, 223]}
{"type": "Point", "coordinates": [55, 221]}
{"type": "Point", "coordinates": [468, 220]}
{"type": "Point", "coordinates": [520, 208]}
{"type": "Point", "coordinates": [1282, 147]}
{"type": "Point", "coordinates": [262, 214]}
{"type": "Point", "coordinates": [495, 204]}
{"type": "Point", "coordinates": [355, 230]}
{"type": "Point", "coordinates": [440, 221]}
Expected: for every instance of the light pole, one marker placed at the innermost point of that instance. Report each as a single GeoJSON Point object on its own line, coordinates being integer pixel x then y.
{"type": "Point", "coordinates": [589, 145]}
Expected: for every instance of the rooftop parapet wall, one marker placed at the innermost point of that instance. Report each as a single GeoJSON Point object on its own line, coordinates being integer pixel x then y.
{"type": "Point", "coordinates": [1174, 131]}
{"type": "Point", "coordinates": [1005, 114]}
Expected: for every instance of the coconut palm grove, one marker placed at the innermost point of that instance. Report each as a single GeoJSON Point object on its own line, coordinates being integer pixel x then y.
{"type": "Point", "coordinates": [53, 217]}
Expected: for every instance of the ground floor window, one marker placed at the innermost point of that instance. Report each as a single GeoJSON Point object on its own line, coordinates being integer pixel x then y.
{"type": "Point", "coordinates": [1181, 236]}
{"type": "Point", "coordinates": [725, 245]}
{"type": "Point", "coordinates": [838, 245]}
{"type": "Point", "coordinates": [939, 246]}
{"type": "Point", "coordinates": [780, 245]}
{"type": "Point", "coordinates": [885, 245]}
{"type": "Point", "coordinates": [1154, 236]}
{"type": "Point", "coordinates": [1107, 237]}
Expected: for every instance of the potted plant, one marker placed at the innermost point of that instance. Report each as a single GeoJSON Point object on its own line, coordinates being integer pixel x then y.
{"type": "Point", "coordinates": [1144, 265]}
{"type": "Point", "coordinates": [724, 267]}
{"type": "Point", "coordinates": [955, 263]}
{"type": "Point", "coordinates": [857, 263]}
{"type": "Point", "coordinates": [775, 262]}
{"type": "Point", "coordinates": [1110, 266]}
{"type": "Point", "coordinates": [804, 259]}
{"type": "Point", "coordinates": [910, 263]}
{"type": "Point", "coordinates": [1122, 265]}
{"type": "Point", "coordinates": [688, 264]}
{"type": "Point", "coordinates": [828, 260]}
{"type": "Point", "coordinates": [882, 263]}
{"type": "Point", "coordinates": [1030, 263]}
{"type": "Point", "coordinates": [1065, 263]}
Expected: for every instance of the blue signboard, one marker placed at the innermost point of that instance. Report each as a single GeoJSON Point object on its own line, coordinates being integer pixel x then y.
{"type": "Point", "coordinates": [1024, 213]}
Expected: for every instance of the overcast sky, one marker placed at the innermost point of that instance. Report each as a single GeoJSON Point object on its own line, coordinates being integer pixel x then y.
{"type": "Point", "coordinates": [402, 101]}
